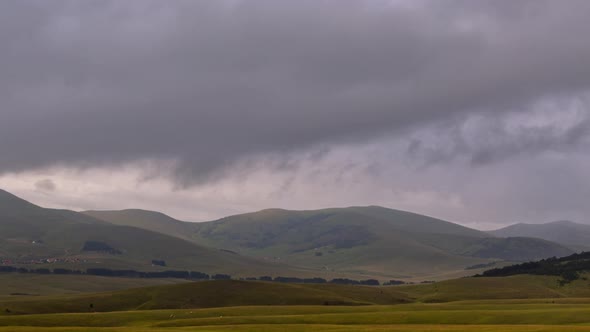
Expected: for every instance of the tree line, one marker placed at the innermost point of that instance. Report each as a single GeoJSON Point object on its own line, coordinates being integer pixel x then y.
{"type": "Point", "coordinates": [568, 268]}
{"type": "Point", "coordinates": [191, 275]}
{"type": "Point", "coordinates": [104, 272]}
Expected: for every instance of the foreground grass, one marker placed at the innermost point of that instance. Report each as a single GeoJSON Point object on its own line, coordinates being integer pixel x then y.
{"type": "Point", "coordinates": [226, 293]}
{"type": "Point", "coordinates": [491, 315]}
{"type": "Point", "coordinates": [520, 303]}
{"type": "Point", "coordinates": [328, 328]}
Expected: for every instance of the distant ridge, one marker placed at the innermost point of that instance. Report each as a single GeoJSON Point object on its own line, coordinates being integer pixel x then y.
{"type": "Point", "coordinates": [367, 240]}
{"type": "Point", "coordinates": [565, 232]}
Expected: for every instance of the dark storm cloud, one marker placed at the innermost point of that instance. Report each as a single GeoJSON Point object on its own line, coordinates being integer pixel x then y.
{"type": "Point", "coordinates": [208, 83]}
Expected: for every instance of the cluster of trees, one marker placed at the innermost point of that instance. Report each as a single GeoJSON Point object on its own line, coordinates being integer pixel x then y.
{"type": "Point", "coordinates": [569, 267]}
{"type": "Point", "coordinates": [340, 281]}
{"type": "Point", "coordinates": [296, 280]}
{"type": "Point", "coordinates": [100, 247]}
{"type": "Point", "coordinates": [345, 281]}
{"type": "Point", "coordinates": [119, 273]}
{"type": "Point", "coordinates": [139, 274]}
{"type": "Point", "coordinates": [394, 282]}
{"type": "Point", "coordinates": [158, 262]}
{"type": "Point", "coordinates": [480, 266]}
{"type": "Point", "coordinates": [25, 270]}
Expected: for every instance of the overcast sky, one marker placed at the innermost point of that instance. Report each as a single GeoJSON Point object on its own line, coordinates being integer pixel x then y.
{"type": "Point", "coordinates": [471, 111]}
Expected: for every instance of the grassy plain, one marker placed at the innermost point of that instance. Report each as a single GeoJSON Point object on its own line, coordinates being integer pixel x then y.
{"type": "Point", "coordinates": [490, 315]}
{"type": "Point", "coordinates": [226, 293]}
{"type": "Point", "coordinates": [519, 303]}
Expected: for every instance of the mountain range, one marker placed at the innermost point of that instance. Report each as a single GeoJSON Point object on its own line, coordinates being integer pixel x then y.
{"type": "Point", "coordinates": [371, 240]}
{"type": "Point", "coordinates": [361, 242]}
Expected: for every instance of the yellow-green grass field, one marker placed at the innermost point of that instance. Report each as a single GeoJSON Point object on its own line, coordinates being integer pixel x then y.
{"type": "Point", "coordinates": [232, 293]}
{"type": "Point", "coordinates": [491, 315]}
{"type": "Point", "coordinates": [519, 303]}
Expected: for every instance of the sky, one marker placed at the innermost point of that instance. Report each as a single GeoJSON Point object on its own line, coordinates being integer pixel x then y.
{"type": "Point", "coordinates": [470, 111]}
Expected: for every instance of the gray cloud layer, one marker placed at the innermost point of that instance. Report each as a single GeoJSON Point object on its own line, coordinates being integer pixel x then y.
{"type": "Point", "coordinates": [208, 83]}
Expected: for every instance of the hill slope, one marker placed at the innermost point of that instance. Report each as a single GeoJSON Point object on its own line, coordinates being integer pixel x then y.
{"type": "Point", "coordinates": [19, 217]}
{"type": "Point", "coordinates": [372, 241]}
{"type": "Point", "coordinates": [48, 238]}
{"type": "Point", "coordinates": [565, 232]}
{"type": "Point", "coordinates": [150, 220]}
{"type": "Point", "coordinates": [371, 238]}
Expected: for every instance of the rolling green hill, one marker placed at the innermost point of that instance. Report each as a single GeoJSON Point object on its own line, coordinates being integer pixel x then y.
{"type": "Point", "coordinates": [46, 238]}
{"type": "Point", "coordinates": [150, 220]}
{"type": "Point", "coordinates": [371, 238]}
{"type": "Point", "coordinates": [369, 241]}
{"type": "Point", "coordinates": [20, 218]}
{"type": "Point", "coordinates": [568, 233]}
{"type": "Point", "coordinates": [356, 242]}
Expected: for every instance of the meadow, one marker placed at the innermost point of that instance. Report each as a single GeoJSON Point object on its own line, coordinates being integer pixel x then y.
{"type": "Point", "coordinates": [490, 315]}
{"type": "Point", "coordinates": [517, 303]}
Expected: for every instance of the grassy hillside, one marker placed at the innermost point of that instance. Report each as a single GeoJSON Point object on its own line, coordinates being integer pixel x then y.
{"type": "Point", "coordinates": [565, 232]}
{"type": "Point", "coordinates": [380, 240]}
{"type": "Point", "coordinates": [150, 220]}
{"type": "Point", "coordinates": [19, 218]}
{"type": "Point", "coordinates": [31, 235]}
{"type": "Point", "coordinates": [357, 242]}
{"type": "Point", "coordinates": [370, 241]}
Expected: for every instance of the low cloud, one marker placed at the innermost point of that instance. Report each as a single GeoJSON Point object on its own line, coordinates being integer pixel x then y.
{"type": "Point", "coordinates": [46, 185]}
